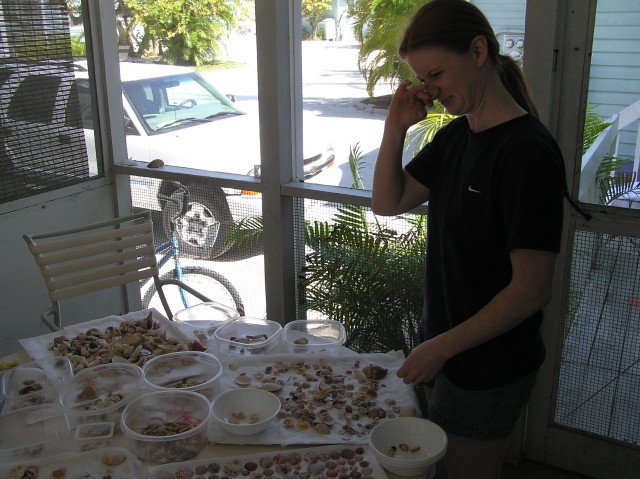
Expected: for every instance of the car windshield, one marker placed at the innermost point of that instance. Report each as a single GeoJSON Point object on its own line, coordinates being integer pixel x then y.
{"type": "Point", "coordinates": [177, 101]}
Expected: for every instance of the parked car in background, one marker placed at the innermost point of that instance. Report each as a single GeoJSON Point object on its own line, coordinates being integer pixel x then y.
{"type": "Point", "coordinates": [175, 115]}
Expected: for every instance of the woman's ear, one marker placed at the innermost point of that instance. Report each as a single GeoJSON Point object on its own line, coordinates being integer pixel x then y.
{"type": "Point", "coordinates": [479, 49]}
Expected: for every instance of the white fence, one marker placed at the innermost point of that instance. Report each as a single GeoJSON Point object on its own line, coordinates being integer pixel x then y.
{"type": "Point", "coordinates": [606, 143]}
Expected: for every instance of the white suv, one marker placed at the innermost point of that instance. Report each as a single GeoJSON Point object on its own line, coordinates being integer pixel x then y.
{"type": "Point", "coordinates": [175, 115]}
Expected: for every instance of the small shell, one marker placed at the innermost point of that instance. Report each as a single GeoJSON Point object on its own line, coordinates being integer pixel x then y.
{"type": "Point", "coordinates": [322, 428]}
{"type": "Point", "coordinates": [113, 459]}
{"type": "Point", "coordinates": [242, 380]}
{"type": "Point", "coordinates": [375, 372]}
{"type": "Point", "coordinates": [271, 387]}
{"type": "Point", "coordinates": [407, 411]}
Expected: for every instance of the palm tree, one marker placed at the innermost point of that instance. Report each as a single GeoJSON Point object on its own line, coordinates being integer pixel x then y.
{"type": "Point", "coordinates": [378, 26]}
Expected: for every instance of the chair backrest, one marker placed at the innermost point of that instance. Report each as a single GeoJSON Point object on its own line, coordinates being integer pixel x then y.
{"type": "Point", "coordinates": [94, 257]}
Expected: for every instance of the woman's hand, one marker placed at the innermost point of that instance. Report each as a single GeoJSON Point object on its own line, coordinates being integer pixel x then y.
{"type": "Point", "coordinates": [409, 105]}
{"type": "Point", "coordinates": [423, 363]}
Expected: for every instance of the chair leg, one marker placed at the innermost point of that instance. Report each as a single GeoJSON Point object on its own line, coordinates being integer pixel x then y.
{"type": "Point", "coordinates": [52, 312]}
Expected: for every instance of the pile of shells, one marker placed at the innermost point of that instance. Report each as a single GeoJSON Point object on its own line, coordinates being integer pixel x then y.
{"type": "Point", "coordinates": [317, 397]}
{"type": "Point", "coordinates": [135, 341]}
{"type": "Point", "coordinates": [339, 463]}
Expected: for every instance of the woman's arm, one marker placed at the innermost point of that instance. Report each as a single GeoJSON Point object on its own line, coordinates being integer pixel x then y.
{"type": "Point", "coordinates": [529, 291]}
{"type": "Point", "coordinates": [394, 190]}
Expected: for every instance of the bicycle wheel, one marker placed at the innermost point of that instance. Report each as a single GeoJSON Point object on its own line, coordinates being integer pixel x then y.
{"type": "Point", "coordinates": [204, 280]}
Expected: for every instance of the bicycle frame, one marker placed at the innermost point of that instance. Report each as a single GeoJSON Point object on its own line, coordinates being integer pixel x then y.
{"type": "Point", "coordinates": [170, 249]}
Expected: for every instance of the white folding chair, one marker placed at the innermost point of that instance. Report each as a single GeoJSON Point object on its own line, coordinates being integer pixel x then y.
{"type": "Point", "coordinates": [98, 256]}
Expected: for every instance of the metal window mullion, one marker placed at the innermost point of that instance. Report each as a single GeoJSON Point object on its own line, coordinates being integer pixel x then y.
{"type": "Point", "coordinates": [279, 91]}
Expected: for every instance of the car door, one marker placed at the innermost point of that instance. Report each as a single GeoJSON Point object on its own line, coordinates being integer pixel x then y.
{"type": "Point", "coordinates": [54, 129]}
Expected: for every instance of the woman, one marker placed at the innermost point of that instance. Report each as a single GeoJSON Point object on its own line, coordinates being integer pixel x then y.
{"type": "Point", "coordinates": [494, 180]}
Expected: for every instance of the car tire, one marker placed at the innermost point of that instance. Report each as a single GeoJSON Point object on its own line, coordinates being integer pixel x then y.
{"type": "Point", "coordinates": [202, 232]}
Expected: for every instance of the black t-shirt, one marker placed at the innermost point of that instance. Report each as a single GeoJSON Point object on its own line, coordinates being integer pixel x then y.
{"type": "Point", "coordinates": [490, 193]}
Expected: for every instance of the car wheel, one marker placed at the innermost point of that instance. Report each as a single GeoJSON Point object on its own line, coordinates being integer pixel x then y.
{"type": "Point", "coordinates": [202, 231]}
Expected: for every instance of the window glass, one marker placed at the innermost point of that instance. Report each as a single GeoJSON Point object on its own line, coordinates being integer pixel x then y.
{"type": "Point", "coordinates": [43, 145]}
{"type": "Point", "coordinates": [611, 150]}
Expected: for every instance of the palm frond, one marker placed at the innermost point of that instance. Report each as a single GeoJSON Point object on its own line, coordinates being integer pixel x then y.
{"type": "Point", "coordinates": [615, 187]}
{"type": "Point", "coordinates": [246, 231]}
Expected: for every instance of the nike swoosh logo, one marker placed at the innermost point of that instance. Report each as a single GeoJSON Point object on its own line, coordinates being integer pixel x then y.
{"type": "Point", "coordinates": [473, 190]}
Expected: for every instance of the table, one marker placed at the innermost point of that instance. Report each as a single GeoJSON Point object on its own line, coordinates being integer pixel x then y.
{"type": "Point", "coordinates": [211, 450]}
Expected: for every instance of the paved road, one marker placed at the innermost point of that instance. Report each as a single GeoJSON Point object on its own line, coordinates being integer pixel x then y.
{"type": "Point", "coordinates": [333, 91]}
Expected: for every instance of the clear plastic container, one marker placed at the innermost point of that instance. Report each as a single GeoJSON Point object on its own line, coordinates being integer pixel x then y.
{"type": "Point", "coordinates": [166, 426]}
{"type": "Point", "coordinates": [314, 336]}
{"type": "Point", "coordinates": [35, 383]}
{"type": "Point", "coordinates": [99, 393]}
{"type": "Point", "coordinates": [202, 320]}
{"type": "Point", "coordinates": [94, 435]}
{"type": "Point", "coordinates": [32, 433]}
{"type": "Point", "coordinates": [247, 335]}
{"type": "Point", "coordinates": [186, 370]}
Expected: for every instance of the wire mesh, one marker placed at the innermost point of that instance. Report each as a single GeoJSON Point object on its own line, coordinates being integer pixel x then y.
{"type": "Point", "coordinates": [599, 383]}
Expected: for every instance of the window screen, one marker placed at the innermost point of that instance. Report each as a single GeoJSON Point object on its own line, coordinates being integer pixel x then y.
{"type": "Point", "coordinates": [43, 144]}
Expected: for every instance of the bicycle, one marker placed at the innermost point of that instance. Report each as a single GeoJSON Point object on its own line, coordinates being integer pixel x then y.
{"type": "Point", "coordinates": [202, 278]}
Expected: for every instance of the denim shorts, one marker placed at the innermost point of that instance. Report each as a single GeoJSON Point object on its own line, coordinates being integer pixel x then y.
{"type": "Point", "coordinates": [485, 415]}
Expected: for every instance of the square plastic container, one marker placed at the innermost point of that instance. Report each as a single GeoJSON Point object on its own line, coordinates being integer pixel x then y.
{"type": "Point", "coordinates": [99, 393]}
{"type": "Point", "coordinates": [94, 435]}
{"type": "Point", "coordinates": [166, 426]}
{"type": "Point", "coordinates": [314, 336]}
{"type": "Point", "coordinates": [35, 383]}
{"type": "Point", "coordinates": [247, 336]}
{"type": "Point", "coordinates": [32, 433]}
{"type": "Point", "coordinates": [202, 320]}
{"type": "Point", "coordinates": [185, 370]}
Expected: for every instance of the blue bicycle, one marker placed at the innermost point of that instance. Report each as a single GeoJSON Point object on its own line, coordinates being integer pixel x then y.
{"type": "Point", "coordinates": [200, 277]}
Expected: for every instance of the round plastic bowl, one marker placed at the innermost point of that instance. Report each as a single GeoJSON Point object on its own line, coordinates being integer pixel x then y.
{"type": "Point", "coordinates": [100, 393]}
{"type": "Point", "coordinates": [408, 446]}
{"type": "Point", "coordinates": [166, 426]}
{"type": "Point", "coordinates": [245, 411]}
{"type": "Point", "coordinates": [203, 319]}
{"type": "Point", "coordinates": [186, 370]}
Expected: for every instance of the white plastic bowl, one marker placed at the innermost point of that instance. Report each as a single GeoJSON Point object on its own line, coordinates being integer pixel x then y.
{"type": "Point", "coordinates": [426, 443]}
{"type": "Point", "coordinates": [245, 411]}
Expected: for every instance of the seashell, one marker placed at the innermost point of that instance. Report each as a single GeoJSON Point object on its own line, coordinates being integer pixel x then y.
{"type": "Point", "coordinates": [251, 466]}
{"type": "Point", "coordinates": [265, 462]}
{"type": "Point", "coordinates": [322, 428]}
{"type": "Point", "coordinates": [347, 453]}
{"type": "Point", "coordinates": [132, 339]}
{"type": "Point", "coordinates": [310, 457]}
{"type": "Point", "coordinates": [167, 348]}
{"type": "Point", "coordinates": [407, 411]}
{"type": "Point", "coordinates": [315, 468]}
{"type": "Point", "coordinates": [232, 468]}
{"type": "Point", "coordinates": [327, 419]}
{"type": "Point", "coordinates": [302, 426]}
{"type": "Point", "coordinates": [271, 387]}
{"type": "Point", "coordinates": [113, 459]}
{"type": "Point", "coordinates": [375, 372]}
{"type": "Point", "coordinates": [242, 380]}
{"type": "Point", "coordinates": [294, 458]}
{"type": "Point", "coordinates": [283, 469]}
{"type": "Point", "coordinates": [403, 447]}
